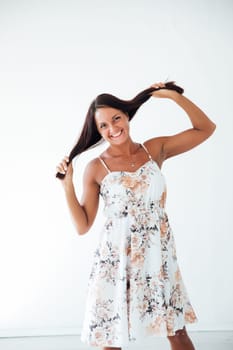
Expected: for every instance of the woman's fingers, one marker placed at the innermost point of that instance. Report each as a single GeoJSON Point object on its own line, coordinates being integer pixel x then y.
{"type": "Point", "coordinates": [62, 167]}
{"type": "Point", "coordinates": [158, 85]}
{"type": "Point", "coordinates": [161, 91]}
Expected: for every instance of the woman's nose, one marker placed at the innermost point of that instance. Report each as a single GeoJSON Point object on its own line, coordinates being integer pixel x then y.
{"type": "Point", "coordinates": [112, 129]}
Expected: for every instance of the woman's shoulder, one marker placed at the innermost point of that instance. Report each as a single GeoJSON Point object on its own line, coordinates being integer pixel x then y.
{"type": "Point", "coordinates": [93, 164]}
{"type": "Point", "coordinates": [95, 169]}
{"type": "Point", "coordinates": [154, 147]}
{"type": "Point", "coordinates": [154, 144]}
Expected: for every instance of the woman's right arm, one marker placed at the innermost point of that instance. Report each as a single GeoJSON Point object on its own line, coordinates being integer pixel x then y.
{"type": "Point", "coordinates": [82, 212]}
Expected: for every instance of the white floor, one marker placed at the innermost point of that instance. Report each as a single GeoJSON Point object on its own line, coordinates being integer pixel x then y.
{"type": "Point", "coordinates": [201, 340]}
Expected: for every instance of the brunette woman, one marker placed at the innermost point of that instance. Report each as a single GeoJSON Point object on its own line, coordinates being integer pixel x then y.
{"type": "Point", "coordinates": [135, 289]}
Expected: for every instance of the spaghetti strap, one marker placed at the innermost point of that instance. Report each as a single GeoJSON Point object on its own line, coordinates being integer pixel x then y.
{"type": "Point", "coordinates": [105, 165]}
{"type": "Point", "coordinates": [146, 151]}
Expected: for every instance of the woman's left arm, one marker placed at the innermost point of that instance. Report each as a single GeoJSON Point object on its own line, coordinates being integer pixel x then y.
{"type": "Point", "coordinates": [203, 127]}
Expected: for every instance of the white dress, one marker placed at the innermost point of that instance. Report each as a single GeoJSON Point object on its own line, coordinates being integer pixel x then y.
{"type": "Point", "coordinates": [135, 289]}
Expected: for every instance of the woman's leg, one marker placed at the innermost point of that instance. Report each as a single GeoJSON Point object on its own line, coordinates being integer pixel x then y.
{"type": "Point", "coordinates": [181, 341]}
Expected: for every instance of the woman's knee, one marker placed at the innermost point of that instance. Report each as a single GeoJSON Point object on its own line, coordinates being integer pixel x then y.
{"type": "Point", "coordinates": [181, 337]}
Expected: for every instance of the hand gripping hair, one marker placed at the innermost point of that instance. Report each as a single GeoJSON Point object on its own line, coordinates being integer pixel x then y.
{"type": "Point", "coordinates": [90, 137]}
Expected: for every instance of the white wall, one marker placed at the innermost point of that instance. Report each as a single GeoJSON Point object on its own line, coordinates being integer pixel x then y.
{"type": "Point", "coordinates": [56, 56]}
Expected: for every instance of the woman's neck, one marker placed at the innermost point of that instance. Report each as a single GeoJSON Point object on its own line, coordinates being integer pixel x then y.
{"type": "Point", "coordinates": [127, 149]}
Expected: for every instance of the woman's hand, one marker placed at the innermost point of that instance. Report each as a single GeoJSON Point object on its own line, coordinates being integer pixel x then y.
{"type": "Point", "coordinates": [65, 169]}
{"type": "Point", "coordinates": [162, 92]}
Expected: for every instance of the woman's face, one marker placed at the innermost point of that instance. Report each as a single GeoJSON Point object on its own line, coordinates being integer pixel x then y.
{"type": "Point", "coordinates": [112, 124]}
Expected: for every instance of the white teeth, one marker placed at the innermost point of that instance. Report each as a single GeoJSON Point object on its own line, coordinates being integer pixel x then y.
{"type": "Point", "coordinates": [116, 135]}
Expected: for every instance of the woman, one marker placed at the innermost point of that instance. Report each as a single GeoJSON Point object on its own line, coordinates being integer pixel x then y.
{"type": "Point", "coordinates": [135, 288]}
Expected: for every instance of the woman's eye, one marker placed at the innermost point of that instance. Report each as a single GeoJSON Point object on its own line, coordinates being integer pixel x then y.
{"type": "Point", "coordinates": [102, 126]}
{"type": "Point", "coordinates": [117, 117]}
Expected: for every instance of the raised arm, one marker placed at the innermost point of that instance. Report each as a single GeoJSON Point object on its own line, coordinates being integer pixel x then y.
{"type": "Point", "coordinates": [82, 212]}
{"type": "Point", "coordinates": [202, 128]}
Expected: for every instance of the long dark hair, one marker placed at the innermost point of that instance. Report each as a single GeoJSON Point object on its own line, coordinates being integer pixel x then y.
{"type": "Point", "coordinates": [90, 137]}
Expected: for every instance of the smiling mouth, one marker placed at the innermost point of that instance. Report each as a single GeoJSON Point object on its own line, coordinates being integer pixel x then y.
{"type": "Point", "coordinates": [115, 136]}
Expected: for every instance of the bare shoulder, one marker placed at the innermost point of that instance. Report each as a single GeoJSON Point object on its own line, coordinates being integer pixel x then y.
{"type": "Point", "coordinates": [94, 171]}
{"type": "Point", "coordinates": [155, 148]}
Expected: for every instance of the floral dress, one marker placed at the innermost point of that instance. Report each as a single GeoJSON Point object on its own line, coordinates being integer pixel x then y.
{"type": "Point", "coordinates": [135, 288]}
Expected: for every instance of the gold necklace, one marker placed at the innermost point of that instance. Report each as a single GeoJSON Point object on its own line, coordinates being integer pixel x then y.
{"type": "Point", "coordinates": [132, 164]}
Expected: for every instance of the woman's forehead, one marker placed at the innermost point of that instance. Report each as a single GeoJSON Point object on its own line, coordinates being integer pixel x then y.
{"type": "Point", "coordinates": [106, 113]}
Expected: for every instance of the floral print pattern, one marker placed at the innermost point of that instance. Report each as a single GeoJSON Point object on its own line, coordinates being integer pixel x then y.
{"type": "Point", "coordinates": [135, 288]}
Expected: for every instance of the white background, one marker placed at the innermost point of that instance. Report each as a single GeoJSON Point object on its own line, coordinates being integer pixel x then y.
{"type": "Point", "coordinates": [55, 57]}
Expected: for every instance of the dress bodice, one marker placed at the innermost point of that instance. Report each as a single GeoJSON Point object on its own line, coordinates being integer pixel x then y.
{"type": "Point", "coordinates": [125, 192]}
